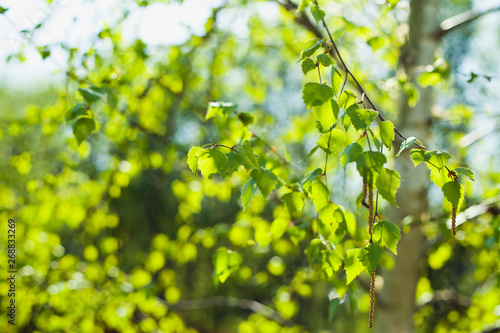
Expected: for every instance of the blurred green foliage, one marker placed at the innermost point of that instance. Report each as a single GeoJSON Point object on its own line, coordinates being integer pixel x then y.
{"type": "Point", "coordinates": [116, 234]}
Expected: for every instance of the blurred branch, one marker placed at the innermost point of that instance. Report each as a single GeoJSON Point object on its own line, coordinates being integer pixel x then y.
{"type": "Point", "coordinates": [492, 330]}
{"type": "Point", "coordinates": [231, 302]}
{"type": "Point", "coordinates": [458, 20]}
{"type": "Point", "coordinates": [449, 297]}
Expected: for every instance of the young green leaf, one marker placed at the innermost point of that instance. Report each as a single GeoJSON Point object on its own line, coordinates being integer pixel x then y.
{"type": "Point", "coordinates": [387, 234]}
{"type": "Point", "coordinates": [311, 176]}
{"type": "Point", "coordinates": [331, 261]}
{"type": "Point", "coordinates": [319, 194]}
{"type": "Point", "coordinates": [83, 128]}
{"type": "Point", "coordinates": [3, 9]}
{"type": "Point", "coordinates": [219, 109]}
{"type": "Point", "coordinates": [352, 265]}
{"type": "Point", "coordinates": [315, 94]}
{"type": "Point", "coordinates": [225, 262]}
{"type": "Point", "coordinates": [246, 118]}
{"type": "Point", "coordinates": [192, 160]}
{"type": "Point", "coordinates": [435, 161]}
{"type": "Point", "coordinates": [326, 113]}
{"type": "Point", "coordinates": [234, 161]}
{"type": "Point", "coordinates": [350, 153]}
{"type": "Point", "coordinates": [387, 185]}
{"type": "Point", "coordinates": [307, 65]}
{"type": "Point", "coordinates": [303, 5]}
{"type": "Point", "coordinates": [310, 47]}
{"type": "Point", "coordinates": [317, 13]}
{"type": "Point", "coordinates": [337, 139]}
{"type": "Point", "coordinates": [249, 158]}
{"type": "Point", "coordinates": [408, 143]}
{"type": "Point", "coordinates": [266, 181]}
{"type": "Point", "coordinates": [331, 217]}
{"type": "Point", "coordinates": [294, 202]}
{"type": "Point", "coordinates": [211, 161]}
{"type": "Point", "coordinates": [370, 256]}
{"type": "Point", "coordinates": [371, 161]}
{"type": "Point", "coordinates": [453, 192]}
{"type": "Point", "coordinates": [79, 110]}
{"type": "Point", "coordinates": [325, 60]}
{"type": "Point", "coordinates": [248, 191]}
{"type": "Point", "coordinates": [465, 172]}
{"type": "Point", "coordinates": [361, 118]}
{"type": "Point", "coordinates": [336, 80]}
{"type": "Point", "coordinates": [311, 153]}
{"type": "Point", "coordinates": [347, 99]}
{"type": "Point", "coordinates": [386, 129]}
{"type": "Point", "coordinates": [91, 95]}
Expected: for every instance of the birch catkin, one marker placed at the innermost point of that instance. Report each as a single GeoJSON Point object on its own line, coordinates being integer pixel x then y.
{"type": "Point", "coordinates": [372, 299]}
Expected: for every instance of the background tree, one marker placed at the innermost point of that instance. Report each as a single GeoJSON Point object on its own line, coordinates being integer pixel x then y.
{"type": "Point", "coordinates": [114, 233]}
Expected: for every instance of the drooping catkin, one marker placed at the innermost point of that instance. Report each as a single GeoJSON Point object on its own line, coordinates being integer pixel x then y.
{"type": "Point", "coordinates": [370, 210]}
{"type": "Point", "coordinates": [372, 299]}
{"type": "Point", "coordinates": [453, 220]}
{"type": "Point", "coordinates": [363, 198]}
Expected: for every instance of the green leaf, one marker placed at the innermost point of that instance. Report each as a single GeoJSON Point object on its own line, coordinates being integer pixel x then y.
{"type": "Point", "coordinates": [44, 51]}
{"type": "Point", "coordinates": [91, 95]}
{"type": "Point", "coordinates": [347, 99]}
{"type": "Point", "coordinates": [387, 185]}
{"type": "Point", "coordinates": [315, 94]}
{"type": "Point", "coordinates": [331, 217]}
{"type": "Point", "coordinates": [337, 139]}
{"type": "Point", "coordinates": [371, 161]}
{"type": "Point", "coordinates": [220, 109]}
{"type": "Point", "coordinates": [310, 47]}
{"type": "Point", "coordinates": [225, 262]}
{"type": "Point", "coordinates": [325, 60]}
{"type": "Point", "coordinates": [473, 76]}
{"type": "Point", "coordinates": [266, 181]}
{"type": "Point", "coordinates": [249, 158]}
{"type": "Point", "coordinates": [326, 113]}
{"type": "Point", "coordinates": [376, 43]}
{"type": "Point", "coordinates": [311, 176]}
{"type": "Point", "coordinates": [311, 153]}
{"type": "Point", "coordinates": [376, 141]}
{"type": "Point", "coordinates": [454, 193]}
{"type": "Point", "coordinates": [350, 154]}
{"type": "Point", "coordinates": [234, 161]}
{"type": "Point", "coordinates": [352, 265]}
{"type": "Point", "coordinates": [387, 234]}
{"type": "Point", "coordinates": [370, 256]}
{"type": "Point", "coordinates": [465, 172]}
{"type": "Point", "coordinates": [79, 110]}
{"type": "Point", "coordinates": [386, 129]}
{"type": "Point", "coordinates": [83, 128]}
{"type": "Point", "coordinates": [192, 160]}
{"type": "Point", "coordinates": [294, 202]}
{"type": "Point", "coordinates": [317, 13]}
{"type": "Point", "coordinates": [211, 161]}
{"type": "Point", "coordinates": [331, 261]}
{"type": "Point", "coordinates": [408, 143]}
{"type": "Point", "coordinates": [3, 9]}
{"type": "Point", "coordinates": [435, 161]}
{"type": "Point", "coordinates": [303, 5]}
{"type": "Point", "coordinates": [248, 191]}
{"type": "Point", "coordinates": [361, 118]}
{"type": "Point", "coordinates": [246, 118]}
{"type": "Point", "coordinates": [307, 65]}
{"type": "Point", "coordinates": [319, 194]}
{"type": "Point", "coordinates": [336, 80]}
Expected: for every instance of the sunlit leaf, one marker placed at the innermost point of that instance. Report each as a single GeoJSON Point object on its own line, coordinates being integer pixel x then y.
{"type": "Point", "coordinates": [83, 128]}
{"type": "Point", "coordinates": [453, 192]}
{"type": "Point", "coordinates": [465, 172]}
{"type": "Point", "coordinates": [266, 181]}
{"type": "Point", "coordinates": [307, 65]}
{"type": "Point", "coordinates": [315, 94]}
{"type": "Point", "coordinates": [352, 265]}
{"type": "Point", "coordinates": [369, 256]}
{"type": "Point", "coordinates": [387, 185]}
{"type": "Point", "coordinates": [386, 129]}
{"type": "Point", "coordinates": [387, 234]}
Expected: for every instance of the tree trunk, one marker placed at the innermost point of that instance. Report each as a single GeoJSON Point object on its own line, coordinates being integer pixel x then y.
{"type": "Point", "coordinates": [397, 298]}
